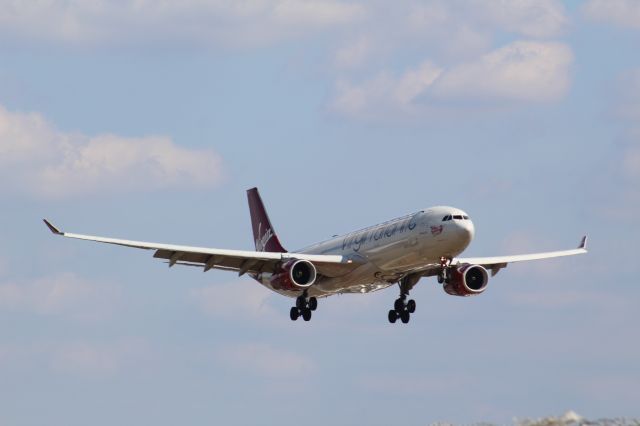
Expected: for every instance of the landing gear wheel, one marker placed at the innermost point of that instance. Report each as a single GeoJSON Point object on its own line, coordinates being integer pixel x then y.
{"type": "Point", "coordinates": [440, 278]}
{"type": "Point", "coordinates": [304, 306]}
{"type": "Point", "coordinates": [398, 305]}
{"type": "Point", "coordinates": [294, 313]}
{"type": "Point", "coordinates": [404, 317]}
{"type": "Point", "coordinates": [411, 306]}
{"type": "Point", "coordinates": [306, 314]}
{"type": "Point", "coordinates": [393, 316]}
{"type": "Point", "coordinates": [313, 303]}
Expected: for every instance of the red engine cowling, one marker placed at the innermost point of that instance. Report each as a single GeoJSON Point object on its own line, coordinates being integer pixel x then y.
{"type": "Point", "coordinates": [294, 274]}
{"type": "Point", "coordinates": [467, 280]}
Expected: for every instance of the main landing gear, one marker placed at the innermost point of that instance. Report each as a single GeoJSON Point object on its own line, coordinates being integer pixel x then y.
{"type": "Point", "coordinates": [304, 306]}
{"type": "Point", "coordinates": [401, 307]}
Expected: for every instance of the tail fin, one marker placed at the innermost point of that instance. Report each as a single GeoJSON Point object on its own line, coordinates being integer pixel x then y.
{"type": "Point", "coordinates": [263, 233]}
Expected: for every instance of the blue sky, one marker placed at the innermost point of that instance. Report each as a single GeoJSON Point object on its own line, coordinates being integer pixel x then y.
{"type": "Point", "coordinates": [148, 120]}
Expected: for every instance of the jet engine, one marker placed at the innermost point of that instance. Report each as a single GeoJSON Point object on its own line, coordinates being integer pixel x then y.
{"type": "Point", "coordinates": [295, 274]}
{"type": "Point", "coordinates": [466, 280]}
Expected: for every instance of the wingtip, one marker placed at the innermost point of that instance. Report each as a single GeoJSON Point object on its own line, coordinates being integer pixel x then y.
{"type": "Point", "coordinates": [51, 227]}
{"type": "Point", "coordinates": [583, 243]}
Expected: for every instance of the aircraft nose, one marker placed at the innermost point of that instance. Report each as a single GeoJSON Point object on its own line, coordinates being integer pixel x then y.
{"type": "Point", "coordinates": [466, 229]}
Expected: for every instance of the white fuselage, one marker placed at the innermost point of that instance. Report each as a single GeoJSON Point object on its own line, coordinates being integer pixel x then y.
{"type": "Point", "coordinates": [391, 250]}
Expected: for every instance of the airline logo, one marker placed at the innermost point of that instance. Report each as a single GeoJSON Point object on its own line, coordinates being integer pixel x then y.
{"type": "Point", "coordinates": [263, 239]}
{"type": "Point", "coordinates": [436, 230]}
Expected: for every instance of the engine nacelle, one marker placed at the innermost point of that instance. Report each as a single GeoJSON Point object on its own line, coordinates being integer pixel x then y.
{"type": "Point", "coordinates": [467, 280]}
{"type": "Point", "coordinates": [294, 274]}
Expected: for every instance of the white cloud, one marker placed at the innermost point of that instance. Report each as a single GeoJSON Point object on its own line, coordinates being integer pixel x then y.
{"type": "Point", "coordinates": [39, 159]}
{"type": "Point", "coordinates": [448, 29]}
{"type": "Point", "coordinates": [385, 92]}
{"type": "Point", "coordinates": [63, 294]}
{"type": "Point", "coordinates": [628, 97]}
{"type": "Point", "coordinates": [227, 22]}
{"type": "Point", "coordinates": [565, 299]}
{"type": "Point", "coordinates": [623, 13]}
{"type": "Point", "coordinates": [354, 53]}
{"type": "Point", "coordinates": [415, 384]}
{"type": "Point", "coordinates": [266, 360]}
{"type": "Point", "coordinates": [96, 359]}
{"type": "Point", "coordinates": [520, 71]}
{"type": "Point", "coordinates": [239, 299]}
{"type": "Point", "coordinates": [631, 162]}
{"type": "Point", "coordinates": [531, 18]}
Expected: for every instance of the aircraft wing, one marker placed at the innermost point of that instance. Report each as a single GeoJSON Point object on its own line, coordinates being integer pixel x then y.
{"type": "Point", "coordinates": [498, 262]}
{"type": "Point", "coordinates": [234, 260]}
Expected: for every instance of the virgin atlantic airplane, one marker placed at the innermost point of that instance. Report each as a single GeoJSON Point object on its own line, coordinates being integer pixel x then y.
{"type": "Point", "coordinates": [400, 251]}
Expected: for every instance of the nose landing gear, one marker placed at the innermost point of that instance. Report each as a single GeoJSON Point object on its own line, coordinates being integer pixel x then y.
{"type": "Point", "coordinates": [304, 306]}
{"type": "Point", "coordinates": [443, 275]}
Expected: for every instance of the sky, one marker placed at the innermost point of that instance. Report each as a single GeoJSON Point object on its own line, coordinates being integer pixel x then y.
{"type": "Point", "coordinates": [148, 120]}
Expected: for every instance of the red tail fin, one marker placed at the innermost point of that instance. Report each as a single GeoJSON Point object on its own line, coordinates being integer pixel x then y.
{"type": "Point", "coordinates": [263, 233]}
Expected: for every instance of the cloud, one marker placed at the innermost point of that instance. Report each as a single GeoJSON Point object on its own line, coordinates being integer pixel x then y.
{"type": "Point", "coordinates": [354, 53]}
{"type": "Point", "coordinates": [266, 360]}
{"type": "Point", "coordinates": [415, 384]}
{"type": "Point", "coordinates": [530, 18]}
{"type": "Point", "coordinates": [623, 201]}
{"type": "Point", "coordinates": [96, 359]}
{"type": "Point", "coordinates": [623, 13]}
{"type": "Point", "coordinates": [561, 299]}
{"type": "Point", "coordinates": [520, 71]}
{"type": "Point", "coordinates": [628, 96]}
{"type": "Point", "coordinates": [62, 294]}
{"type": "Point", "coordinates": [446, 29]}
{"type": "Point", "coordinates": [225, 22]}
{"type": "Point", "coordinates": [385, 92]}
{"type": "Point", "coordinates": [41, 160]}
{"type": "Point", "coordinates": [243, 299]}
{"type": "Point", "coordinates": [631, 161]}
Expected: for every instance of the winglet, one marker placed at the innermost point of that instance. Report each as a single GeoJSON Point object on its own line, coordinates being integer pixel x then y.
{"type": "Point", "coordinates": [52, 228]}
{"type": "Point", "coordinates": [583, 243]}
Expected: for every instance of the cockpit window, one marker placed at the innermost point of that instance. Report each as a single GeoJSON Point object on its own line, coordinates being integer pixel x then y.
{"type": "Point", "coordinates": [458, 217]}
{"type": "Point", "coordinates": [466, 217]}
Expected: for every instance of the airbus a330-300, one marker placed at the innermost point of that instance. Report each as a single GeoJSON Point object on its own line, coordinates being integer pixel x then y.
{"type": "Point", "coordinates": [400, 251]}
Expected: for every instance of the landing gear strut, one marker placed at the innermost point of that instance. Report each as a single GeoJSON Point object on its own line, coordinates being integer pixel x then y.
{"type": "Point", "coordinates": [401, 307]}
{"type": "Point", "coordinates": [304, 306]}
{"type": "Point", "coordinates": [443, 276]}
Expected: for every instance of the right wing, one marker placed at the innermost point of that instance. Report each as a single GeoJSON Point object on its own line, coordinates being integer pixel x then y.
{"type": "Point", "coordinates": [232, 260]}
{"type": "Point", "coordinates": [496, 263]}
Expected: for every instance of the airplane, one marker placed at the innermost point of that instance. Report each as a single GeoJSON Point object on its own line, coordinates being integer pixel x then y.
{"type": "Point", "coordinates": [399, 251]}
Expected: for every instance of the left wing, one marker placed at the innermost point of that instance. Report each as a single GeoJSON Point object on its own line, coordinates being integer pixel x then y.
{"type": "Point", "coordinates": [234, 260]}
{"type": "Point", "coordinates": [498, 262]}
